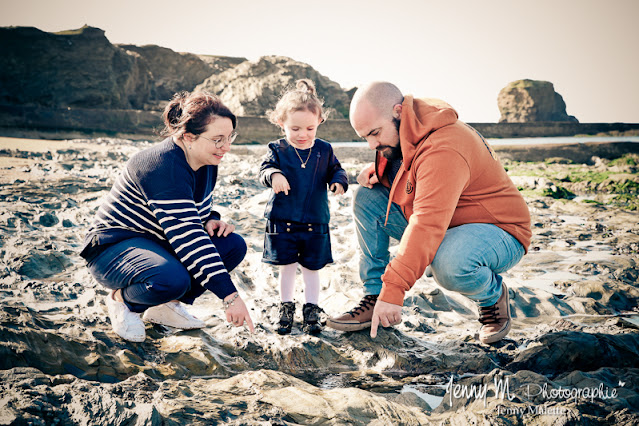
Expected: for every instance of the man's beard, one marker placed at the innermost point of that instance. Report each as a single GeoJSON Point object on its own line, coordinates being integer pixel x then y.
{"type": "Point", "coordinates": [392, 153]}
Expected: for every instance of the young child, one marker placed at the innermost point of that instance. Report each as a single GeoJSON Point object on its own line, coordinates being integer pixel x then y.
{"type": "Point", "coordinates": [299, 168]}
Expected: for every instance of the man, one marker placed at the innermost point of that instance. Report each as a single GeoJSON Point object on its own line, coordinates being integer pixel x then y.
{"type": "Point", "coordinates": [437, 187]}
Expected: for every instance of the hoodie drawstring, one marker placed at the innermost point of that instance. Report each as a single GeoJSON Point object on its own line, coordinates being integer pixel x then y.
{"type": "Point", "coordinates": [392, 191]}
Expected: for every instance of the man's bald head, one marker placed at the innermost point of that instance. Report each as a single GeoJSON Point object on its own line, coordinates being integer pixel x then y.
{"type": "Point", "coordinates": [380, 95]}
{"type": "Point", "coordinates": [375, 116]}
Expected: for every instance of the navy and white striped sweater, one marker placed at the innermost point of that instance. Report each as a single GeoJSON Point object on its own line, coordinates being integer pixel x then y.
{"type": "Point", "coordinates": [159, 196]}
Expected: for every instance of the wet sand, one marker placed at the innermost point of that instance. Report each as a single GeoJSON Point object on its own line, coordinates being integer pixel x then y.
{"type": "Point", "coordinates": [574, 297]}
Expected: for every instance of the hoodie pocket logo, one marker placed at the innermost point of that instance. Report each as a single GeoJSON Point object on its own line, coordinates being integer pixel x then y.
{"type": "Point", "coordinates": [409, 187]}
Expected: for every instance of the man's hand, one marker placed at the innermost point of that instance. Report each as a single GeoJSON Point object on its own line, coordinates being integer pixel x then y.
{"type": "Point", "coordinates": [337, 188]}
{"type": "Point", "coordinates": [385, 313]}
{"type": "Point", "coordinates": [237, 314]}
{"type": "Point", "coordinates": [279, 183]}
{"type": "Point", "coordinates": [367, 177]}
{"type": "Point", "coordinates": [223, 228]}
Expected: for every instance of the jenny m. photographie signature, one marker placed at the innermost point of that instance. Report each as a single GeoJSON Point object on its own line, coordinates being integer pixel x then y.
{"type": "Point", "coordinates": [501, 389]}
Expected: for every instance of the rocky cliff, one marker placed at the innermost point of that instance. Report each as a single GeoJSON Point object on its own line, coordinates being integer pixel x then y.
{"type": "Point", "coordinates": [72, 68]}
{"type": "Point", "coordinates": [81, 68]}
{"type": "Point", "coordinates": [170, 71]}
{"type": "Point", "coordinates": [525, 101]}
{"type": "Point", "coordinates": [253, 87]}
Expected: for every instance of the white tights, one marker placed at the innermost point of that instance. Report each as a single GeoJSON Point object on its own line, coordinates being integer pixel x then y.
{"type": "Point", "coordinates": [287, 283]}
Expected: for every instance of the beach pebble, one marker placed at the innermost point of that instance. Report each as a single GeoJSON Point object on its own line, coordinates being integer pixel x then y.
{"type": "Point", "coordinates": [48, 220]}
{"type": "Point", "coordinates": [42, 264]}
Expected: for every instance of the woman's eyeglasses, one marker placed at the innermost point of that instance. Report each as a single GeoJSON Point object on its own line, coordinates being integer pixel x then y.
{"type": "Point", "coordinates": [220, 142]}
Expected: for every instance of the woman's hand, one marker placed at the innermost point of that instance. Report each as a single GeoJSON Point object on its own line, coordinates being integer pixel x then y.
{"type": "Point", "coordinates": [367, 177]}
{"type": "Point", "coordinates": [237, 313]}
{"type": "Point", "coordinates": [223, 228]}
{"type": "Point", "coordinates": [337, 188]}
{"type": "Point", "coordinates": [279, 183]}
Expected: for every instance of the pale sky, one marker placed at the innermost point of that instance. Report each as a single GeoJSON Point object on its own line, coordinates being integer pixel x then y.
{"type": "Point", "coordinates": [462, 51]}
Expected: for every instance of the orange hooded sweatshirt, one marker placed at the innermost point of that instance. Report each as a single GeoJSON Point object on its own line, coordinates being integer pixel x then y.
{"type": "Point", "coordinates": [449, 177]}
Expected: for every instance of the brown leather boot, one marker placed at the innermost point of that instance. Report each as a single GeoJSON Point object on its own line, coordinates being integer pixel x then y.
{"type": "Point", "coordinates": [496, 319]}
{"type": "Point", "coordinates": [358, 318]}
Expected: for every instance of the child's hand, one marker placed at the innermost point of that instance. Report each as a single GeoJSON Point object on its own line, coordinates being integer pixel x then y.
{"type": "Point", "coordinates": [279, 183]}
{"type": "Point", "coordinates": [337, 188]}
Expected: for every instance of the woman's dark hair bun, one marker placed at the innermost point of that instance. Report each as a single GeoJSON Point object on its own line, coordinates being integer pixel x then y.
{"type": "Point", "coordinates": [173, 111]}
{"type": "Point", "coordinates": [192, 112]}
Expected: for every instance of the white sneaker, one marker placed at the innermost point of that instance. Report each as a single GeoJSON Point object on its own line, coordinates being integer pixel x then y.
{"type": "Point", "coordinates": [126, 324]}
{"type": "Point", "coordinates": [173, 314]}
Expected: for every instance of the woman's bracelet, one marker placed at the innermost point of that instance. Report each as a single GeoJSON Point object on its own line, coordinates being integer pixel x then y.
{"type": "Point", "coordinates": [230, 302]}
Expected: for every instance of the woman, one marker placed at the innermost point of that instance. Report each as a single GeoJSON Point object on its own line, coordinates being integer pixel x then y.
{"type": "Point", "coordinates": [156, 241]}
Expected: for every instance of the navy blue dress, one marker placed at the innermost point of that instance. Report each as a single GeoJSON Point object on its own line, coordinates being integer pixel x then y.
{"type": "Point", "coordinates": [297, 223]}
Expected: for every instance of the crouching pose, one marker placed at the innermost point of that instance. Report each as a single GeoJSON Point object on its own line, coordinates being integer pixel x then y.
{"type": "Point", "coordinates": [438, 188]}
{"type": "Point", "coordinates": [156, 241]}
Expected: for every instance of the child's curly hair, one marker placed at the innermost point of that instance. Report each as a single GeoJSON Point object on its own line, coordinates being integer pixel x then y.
{"type": "Point", "coordinates": [302, 98]}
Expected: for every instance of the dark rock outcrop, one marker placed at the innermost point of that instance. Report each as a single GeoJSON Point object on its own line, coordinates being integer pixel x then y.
{"type": "Point", "coordinates": [253, 87]}
{"type": "Point", "coordinates": [78, 68]}
{"type": "Point", "coordinates": [82, 69]}
{"type": "Point", "coordinates": [567, 351]}
{"type": "Point", "coordinates": [174, 72]}
{"type": "Point", "coordinates": [42, 264]}
{"type": "Point", "coordinates": [351, 92]}
{"type": "Point", "coordinates": [525, 101]}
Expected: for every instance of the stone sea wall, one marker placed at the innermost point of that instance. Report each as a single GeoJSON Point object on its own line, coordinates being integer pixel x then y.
{"type": "Point", "coordinates": [60, 123]}
{"type": "Point", "coordinates": [553, 129]}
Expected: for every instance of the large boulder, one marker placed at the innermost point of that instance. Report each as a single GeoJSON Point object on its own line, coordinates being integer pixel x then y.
{"type": "Point", "coordinates": [174, 72]}
{"type": "Point", "coordinates": [254, 87]}
{"type": "Point", "coordinates": [525, 101]}
{"type": "Point", "coordinates": [78, 68]}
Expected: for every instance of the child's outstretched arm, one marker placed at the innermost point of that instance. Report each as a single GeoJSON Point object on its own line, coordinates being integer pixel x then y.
{"type": "Point", "coordinates": [270, 165]}
{"type": "Point", "coordinates": [270, 173]}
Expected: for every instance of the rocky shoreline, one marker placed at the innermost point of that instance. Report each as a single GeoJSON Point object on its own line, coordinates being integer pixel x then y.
{"type": "Point", "coordinates": [572, 357]}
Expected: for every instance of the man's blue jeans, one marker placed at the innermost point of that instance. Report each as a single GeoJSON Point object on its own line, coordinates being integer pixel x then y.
{"type": "Point", "coordinates": [468, 261]}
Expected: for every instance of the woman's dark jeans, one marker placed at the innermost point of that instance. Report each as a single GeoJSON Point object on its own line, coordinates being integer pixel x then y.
{"type": "Point", "coordinates": [149, 273]}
